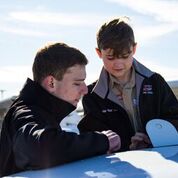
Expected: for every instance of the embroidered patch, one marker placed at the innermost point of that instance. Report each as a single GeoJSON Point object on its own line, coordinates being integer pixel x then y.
{"type": "Point", "coordinates": [147, 89]}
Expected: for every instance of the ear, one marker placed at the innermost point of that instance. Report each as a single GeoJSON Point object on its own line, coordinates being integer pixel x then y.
{"type": "Point", "coordinates": [98, 52]}
{"type": "Point", "coordinates": [48, 83]}
{"type": "Point", "coordinates": [134, 48]}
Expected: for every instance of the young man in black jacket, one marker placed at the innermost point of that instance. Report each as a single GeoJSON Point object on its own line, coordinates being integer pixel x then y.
{"type": "Point", "coordinates": [127, 94]}
{"type": "Point", "coordinates": [31, 137]}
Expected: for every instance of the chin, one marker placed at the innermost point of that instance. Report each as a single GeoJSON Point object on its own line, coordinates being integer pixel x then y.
{"type": "Point", "coordinates": [75, 104]}
{"type": "Point", "coordinates": [118, 75]}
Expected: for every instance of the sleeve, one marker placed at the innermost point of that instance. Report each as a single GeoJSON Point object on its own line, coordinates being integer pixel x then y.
{"type": "Point", "coordinates": [38, 146]}
{"type": "Point", "coordinates": [168, 101]}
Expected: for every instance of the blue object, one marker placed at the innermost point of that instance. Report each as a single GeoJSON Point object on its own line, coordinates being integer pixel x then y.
{"type": "Point", "coordinates": [162, 133]}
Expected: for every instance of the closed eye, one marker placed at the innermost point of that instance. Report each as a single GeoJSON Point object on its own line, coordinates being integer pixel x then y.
{"type": "Point", "coordinates": [125, 56]}
{"type": "Point", "coordinates": [77, 84]}
{"type": "Point", "coordinates": [110, 58]}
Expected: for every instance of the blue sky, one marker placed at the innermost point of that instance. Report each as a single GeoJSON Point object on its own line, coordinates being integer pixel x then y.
{"type": "Point", "coordinates": [25, 26]}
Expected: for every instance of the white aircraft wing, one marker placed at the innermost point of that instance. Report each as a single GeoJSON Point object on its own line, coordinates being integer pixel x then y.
{"type": "Point", "coordinates": [159, 162]}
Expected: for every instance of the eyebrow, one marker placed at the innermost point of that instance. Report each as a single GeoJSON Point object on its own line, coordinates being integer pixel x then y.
{"type": "Point", "coordinates": [79, 79]}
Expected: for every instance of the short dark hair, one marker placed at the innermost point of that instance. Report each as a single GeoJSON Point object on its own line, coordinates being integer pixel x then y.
{"type": "Point", "coordinates": [117, 35]}
{"type": "Point", "coordinates": [54, 59]}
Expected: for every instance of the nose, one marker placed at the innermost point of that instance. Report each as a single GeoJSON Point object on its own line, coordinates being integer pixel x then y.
{"type": "Point", "coordinates": [84, 89]}
{"type": "Point", "coordinates": [118, 63]}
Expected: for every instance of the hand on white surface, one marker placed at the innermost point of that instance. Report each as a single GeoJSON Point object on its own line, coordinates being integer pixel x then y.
{"type": "Point", "coordinates": [139, 141]}
{"type": "Point", "coordinates": [114, 141]}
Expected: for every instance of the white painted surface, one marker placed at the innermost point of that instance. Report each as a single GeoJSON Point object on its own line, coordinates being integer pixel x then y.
{"type": "Point", "coordinates": [150, 163]}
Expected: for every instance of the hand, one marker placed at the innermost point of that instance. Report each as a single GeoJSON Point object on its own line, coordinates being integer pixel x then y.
{"type": "Point", "coordinates": [114, 141]}
{"type": "Point", "coordinates": [139, 141]}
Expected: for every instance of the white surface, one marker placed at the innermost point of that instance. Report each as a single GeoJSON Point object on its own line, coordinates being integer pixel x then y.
{"type": "Point", "coordinates": [69, 123]}
{"type": "Point", "coordinates": [162, 133]}
{"type": "Point", "coordinates": [150, 163]}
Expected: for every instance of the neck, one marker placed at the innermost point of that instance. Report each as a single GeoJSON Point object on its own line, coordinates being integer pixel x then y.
{"type": "Point", "coordinates": [126, 78]}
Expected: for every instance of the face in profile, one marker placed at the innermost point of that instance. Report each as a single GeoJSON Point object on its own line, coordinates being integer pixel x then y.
{"type": "Point", "coordinates": [72, 86]}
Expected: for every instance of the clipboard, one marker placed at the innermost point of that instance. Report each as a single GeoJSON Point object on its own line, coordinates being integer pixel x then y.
{"type": "Point", "coordinates": [161, 133]}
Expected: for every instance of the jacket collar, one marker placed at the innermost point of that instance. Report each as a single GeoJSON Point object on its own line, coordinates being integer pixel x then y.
{"type": "Point", "coordinates": [102, 86]}
{"type": "Point", "coordinates": [33, 93]}
{"type": "Point", "coordinates": [141, 69]}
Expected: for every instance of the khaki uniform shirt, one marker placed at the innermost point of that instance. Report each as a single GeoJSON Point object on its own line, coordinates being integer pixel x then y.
{"type": "Point", "coordinates": [126, 95]}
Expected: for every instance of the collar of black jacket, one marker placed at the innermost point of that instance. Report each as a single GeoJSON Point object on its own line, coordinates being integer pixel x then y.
{"type": "Point", "coordinates": [33, 93]}
{"type": "Point", "coordinates": [102, 86]}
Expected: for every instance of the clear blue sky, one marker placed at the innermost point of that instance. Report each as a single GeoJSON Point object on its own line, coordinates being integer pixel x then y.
{"type": "Point", "coordinates": [27, 25]}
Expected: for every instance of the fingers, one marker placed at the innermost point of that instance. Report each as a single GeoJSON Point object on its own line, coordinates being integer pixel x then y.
{"type": "Point", "coordinates": [139, 141]}
{"type": "Point", "coordinates": [138, 137]}
{"type": "Point", "coordinates": [114, 141]}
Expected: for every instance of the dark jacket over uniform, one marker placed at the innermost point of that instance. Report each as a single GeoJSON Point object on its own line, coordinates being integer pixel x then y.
{"type": "Point", "coordinates": [154, 99]}
{"type": "Point", "coordinates": [31, 137]}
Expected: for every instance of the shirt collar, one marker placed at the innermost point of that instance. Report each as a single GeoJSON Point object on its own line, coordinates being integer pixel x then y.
{"type": "Point", "coordinates": [129, 84]}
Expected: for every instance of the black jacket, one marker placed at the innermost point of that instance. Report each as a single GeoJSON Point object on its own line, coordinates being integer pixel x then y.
{"type": "Point", "coordinates": [31, 137]}
{"type": "Point", "coordinates": [154, 99]}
